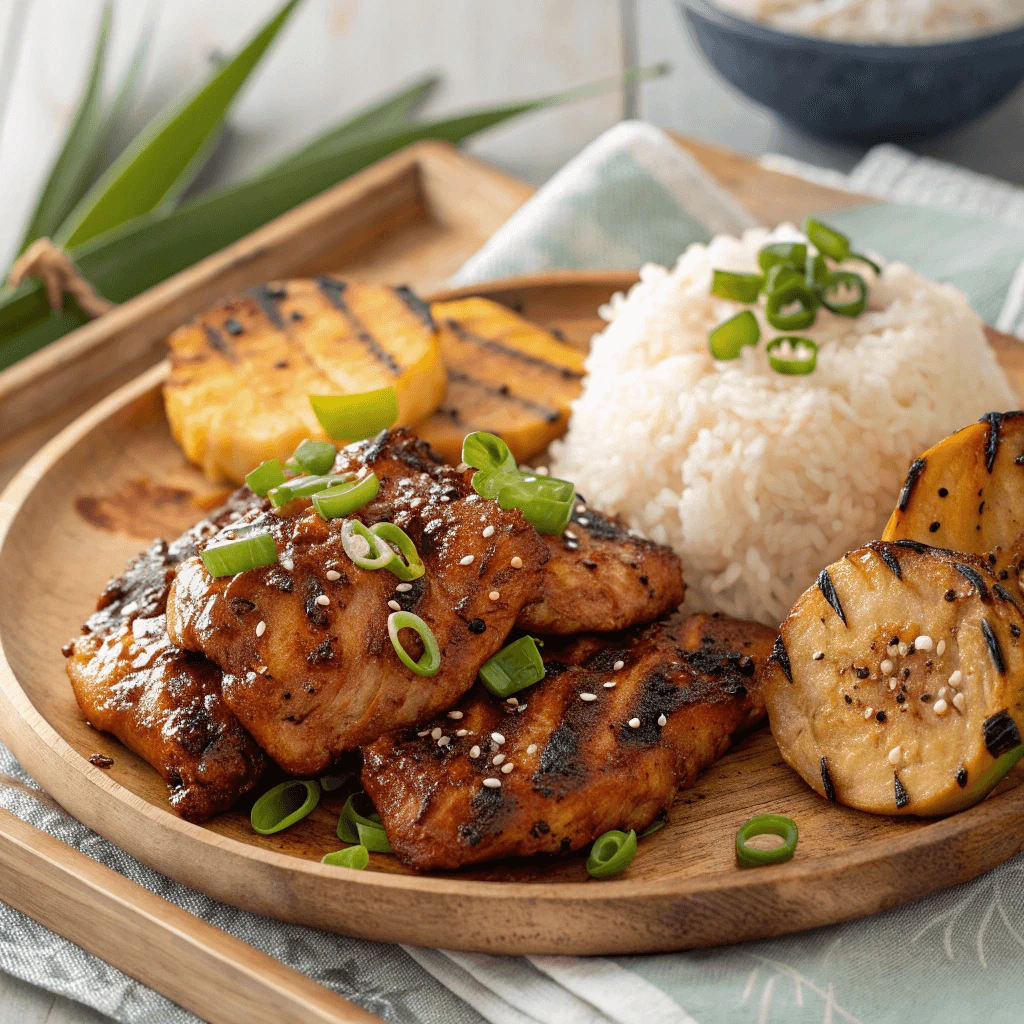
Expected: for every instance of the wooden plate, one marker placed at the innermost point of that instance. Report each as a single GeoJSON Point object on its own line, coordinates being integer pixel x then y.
{"type": "Point", "coordinates": [113, 480]}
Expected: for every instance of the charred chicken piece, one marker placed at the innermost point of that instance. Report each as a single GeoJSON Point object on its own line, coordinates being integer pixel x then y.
{"type": "Point", "coordinates": [320, 676]}
{"type": "Point", "coordinates": [576, 757]}
{"type": "Point", "coordinates": [602, 578]}
{"type": "Point", "coordinates": [897, 679]}
{"type": "Point", "coordinates": [163, 703]}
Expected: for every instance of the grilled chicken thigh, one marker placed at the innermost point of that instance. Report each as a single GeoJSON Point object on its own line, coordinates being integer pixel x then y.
{"type": "Point", "coordinates": [163, 703]}
{"type": "Point", "coordinates": [590, 748]}
{"type": "Point", "coordinates": [320, 676]}
{"type": "Point", "coordinates": [602, 578]}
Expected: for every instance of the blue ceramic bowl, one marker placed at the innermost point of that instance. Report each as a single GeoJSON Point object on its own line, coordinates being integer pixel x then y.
{"type": "Point", "coordinates": [853, 92]}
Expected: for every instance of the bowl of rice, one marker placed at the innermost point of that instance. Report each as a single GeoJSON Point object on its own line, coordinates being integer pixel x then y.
{"type": "Point", "coordinates": [758, 478]}
{"type": "Point", "coordinates": [865, 71]}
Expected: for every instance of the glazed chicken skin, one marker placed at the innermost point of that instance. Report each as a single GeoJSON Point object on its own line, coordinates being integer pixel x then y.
{"type": "Point", "coordinates": [602, 578]}
{"type": "Point", "coordinates": [585, 757]}
{"type": "Point", "coordinates": [320, 676]}
{"type": "Point", "coordinates": [161, 702]}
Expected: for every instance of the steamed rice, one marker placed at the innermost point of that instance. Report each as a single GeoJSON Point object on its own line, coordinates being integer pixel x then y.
{"type": "Point", "coordinates": [758, 479]}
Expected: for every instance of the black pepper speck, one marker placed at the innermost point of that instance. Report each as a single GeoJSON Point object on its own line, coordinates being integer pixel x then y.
{"type": "Point", "coordinates": [477, 626]}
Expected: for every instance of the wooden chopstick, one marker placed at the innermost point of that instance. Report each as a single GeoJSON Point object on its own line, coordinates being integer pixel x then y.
{"type": "Point", "coordinates": [218, 977]}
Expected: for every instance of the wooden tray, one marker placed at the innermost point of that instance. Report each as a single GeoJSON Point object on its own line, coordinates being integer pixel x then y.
{"type": "Point", "coordinates": [113, 479]}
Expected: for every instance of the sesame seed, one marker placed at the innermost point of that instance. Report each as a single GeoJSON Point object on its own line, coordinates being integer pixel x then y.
{"type": "Point", "coordinates": [618, 666]}
{"type": "Point", "coordinates": [581, 507]}
{"type": "Point", "coordinates": [497, 737]}
{"type": "Point", "coordinates": [474, 752]}
{"type": "Point", "coordinates": [942, 691]}
{"type": "Point", "coordinates": [924, 643]}
{"type": "Point", "coordinates": [494, 595]}
{"type": "Point", "coordinates": [588, 696]}
{"type": "Point", "coordinates": [569, 534]}
{"type": "Point", "coordinates": [261, 628]}
{"type": "Point", "coordinates": [444, 498]}
{"type": "Point", "coordinates": [394, 606]}
{"type": "Point", "coordinates": [466, 560]}
{"type": "Point", "coordinates": [462, 467]}
{"type": "Point", "coordinates": [333, 575]}
{"type": "Point", "coordinates": [514, 701]}
{"type": "Point", "coordinates": [455, 714]}
{"type": "Point", "coordinates": [492, 783]}
{"type": "Point", "coordinates": [940, 648]}
{"type": "Point", "coordinates": [583, 522]}
{"type": "Point", "coordinates": [426, 732]}
{"type": "Point", "coordinates": [488, 531]}
{"type": "Point", "coordinates": [572, 545]}
{"type": "Point", "coordinates": [818, 655]}
{"type": "Point", "coordinates": [956, 678]}
{"type": "Point", "coordinates": [542, 471]}
{"type": "Point", "coordinates": [506, 768]}
{"type": "Point", "coordinates": [462, 732]}
{"type": "Point", "coordinates": [887, 667]}
{"type": "Point", "coordinates": [609, 685]}
{"type": "Point", "coordinates": [517, 562]}
{"type": "Point", "coordinates": [959, 701]}
{"type": "Point", "coordinates": [869, 712]}
{"type": "Point", "coordinates": [287, 564]}
{"type": "Point", "coordinates": [903, 649]}
{"type": "Point", "coordinates": [323, 600]}
{"type": "Point", "coordinates": [941, 707]}
{"type": "Point", "coordinates": [893, 684]}
{"type": "Point", "coordinates": [662, 720]}
{"type": "Point", "coordinates": [894, 755]}
{"type": "Point", "coordinates": [444, 741]}
{"type": "Point", "coordinates": [634, 723]}
{"type": "Point", "coordinates": [435, 733]}
{"type": "Point", "coordinates": [404, 588]}
{"type": "Point", "coordinates": [532, 748]}
{"type": "Point", "coordinates": [497, 759]}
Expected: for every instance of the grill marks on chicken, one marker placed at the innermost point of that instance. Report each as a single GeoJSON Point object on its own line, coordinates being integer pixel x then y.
{"type": "Point", "coordinates": [581, 764]}
{"type": "Point", "coordinates": [602, 578]}
{"type": "Point", "coordinates": [322, 676]}
{"type": "Point", "coordinates": [162, 702]}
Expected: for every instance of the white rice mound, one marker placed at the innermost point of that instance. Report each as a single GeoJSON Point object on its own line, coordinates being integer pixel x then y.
{"type": "Point", "coordinates": [757, 479]}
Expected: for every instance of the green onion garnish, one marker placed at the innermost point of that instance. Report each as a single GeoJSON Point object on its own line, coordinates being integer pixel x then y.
{"type": "Point", "coordinates": [861, 258]}
{"type": "Point", "coordinates": [355, 857]}
{"type": "Point", "coordinates": [994, 774]}
{"type": "Point", "coordinates": [815, 272]}
{"type": "Point", "coordinates": [329, 783]}
{"type": "Point", "coordinates": [363, 547]}
{"type": "Point", "coordinates": [781, 275]}
{"type": "Point", "coordinates": [792, 355]}
{"type": "Point", "coordinates": [513, 668]}
{"type": "Point", "coordinates": [493, 461]}
{"type": "Point", "coordinates": [611, 853]}
{"type": "Point", "coordinates": [829, 242]}
{"type": "Point", "coordinates": [833, 295]}
{"type": "Point", "coordinates": [738, 287]}
{"type": "Point", "coordinates": [430, 660]}
{"type": "Point", "coordinates": [793, 253]}
{"type": "Point", "coordinates": [366, 829]}
{"type": "Point", "coordinates": [315, 457]}
{"type": "Point", "coordinates": [240, 555]}
{"type": "Point", "coordinates": [728, 338]}
{"type": "Point", "coordinates": [765, 825]}
{"type": "Point", "coordinates": [356, 417]}
{"type": "Point", "coordinates": [265, 476]}
{"type": "Point", "coordinates": [285, 804]}
{"type": "Point", "coordinates": [303, 487]}
{"type": "Point", "coordinates": [345, 498]}
{"type": "Point", "coordinates": [653, 827]}
{"type": "Point", "coordinates": [785, 297]}
{"type": "Point", "coordinates": [388, 535]}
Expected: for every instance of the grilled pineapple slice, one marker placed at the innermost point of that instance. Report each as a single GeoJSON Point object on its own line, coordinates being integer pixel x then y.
{"type": "Point", "coordinates": [898, 679]}
{"type": "Point", "coordinates": [505, 375]}
{"type": "Point", "coordinates": [242, 374]}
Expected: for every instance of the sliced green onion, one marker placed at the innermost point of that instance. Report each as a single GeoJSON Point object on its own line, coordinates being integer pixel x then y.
{"type": "Point", "coordinates": [786, 355]}
{"type": "Point", "coordinates": [547, 502]}
{"type": "Point", "coordinates": [265, 476]}
{"type": "Point", "coordinates": [315, 457]}
{"type": "Point", "coordinates": [793, 253]}
{"type": "Point", "coordinates": [493, 461]}
{"type": "Point", "coordinates": [303, 487]}
{"type": "Point", "coordinates": [292, 465]}
{"type": "Point", "coordinates": [329, 783]}
{"type": "Point", "coordinates": [728, 338]}
{"type": "Point", "coordinates": [994, 774]}
{"type": "Point", "coordinates": [235, 556]}
{"type": "Point", "coordinates": [816, 272]}
{"type": "Point", "coordinates": [366, 829]}
{"type": "Point", "coordinates": [345, 498]}
{"type": "Point", "coordinates": [781, 275]}
{"type": "Point", "coordinates": [611, 853]}
{"type": "Point", "coordinates": [783, 298]}
{"type": "Point", "coordinates": [829, 242]}
{"type": "Point", "coordinates": [738, 287]}
{"type": "Point", "coordinates": [513, 668]}
{"type": "Point", "coordinates": [430, 660]}
{"type": "Point", "coordinates": [285, 804]}
{"type": "Point", "coordinates": [861, 258]}
{"type": "Point", "coordinates": [412, 567]}
{"type": "Point", "coordinates": [845, 279]}
{"type": "Point", "coordinates": [355, 857]}
{"type": "Point", "coordinates": [364, 548]}
{"type": "Point", "coordinates": [356, 417]}
{"type": "Point", "coordinates": [765, 825]}
{"type": "Point", "coordinates": [653, 827]}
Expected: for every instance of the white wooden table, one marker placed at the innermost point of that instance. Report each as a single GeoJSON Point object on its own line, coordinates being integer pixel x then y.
{"type": "Point", "coordinates": [336, 55]}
